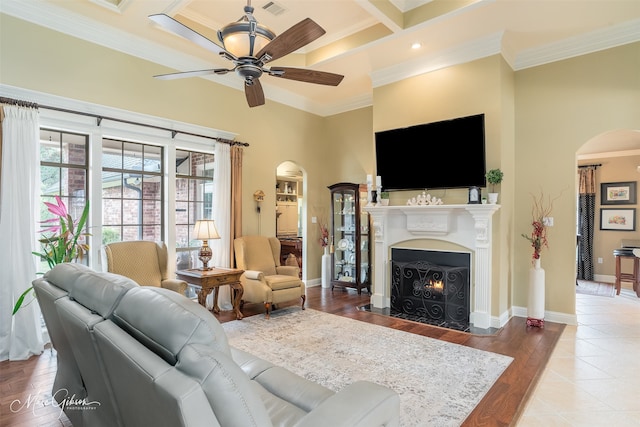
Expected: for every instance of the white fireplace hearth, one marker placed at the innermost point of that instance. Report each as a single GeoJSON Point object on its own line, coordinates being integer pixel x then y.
{"type": "Point", "coordinates": [465, 225]}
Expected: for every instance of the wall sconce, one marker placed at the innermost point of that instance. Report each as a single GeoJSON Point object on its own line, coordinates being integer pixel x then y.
{"type": "Point", "coordinates": [258, 196]}
{"type": "Point", "coordinates": [204, 230]}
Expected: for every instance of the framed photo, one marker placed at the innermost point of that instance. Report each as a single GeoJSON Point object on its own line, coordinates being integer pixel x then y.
{"type": "Point", "coordinates": [618, 193]}
{"type": "Point", "coordinates": [618, 219]}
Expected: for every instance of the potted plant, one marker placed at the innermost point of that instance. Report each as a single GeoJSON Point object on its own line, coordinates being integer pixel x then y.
{"type": "Point", "coordinates": [384, 198]}
{"type": "Point", "coordinates": [494, 177]}
{"type": "Point", "coordinates": [67, 243]}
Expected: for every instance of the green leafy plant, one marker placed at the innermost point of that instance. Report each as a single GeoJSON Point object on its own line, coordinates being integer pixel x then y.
{"type": "Point", "coordinates": [384, 195]}
{"type": "Point", "coordinates": [494, 177]}
{"type": "Point", "coordinates": [66, 243]}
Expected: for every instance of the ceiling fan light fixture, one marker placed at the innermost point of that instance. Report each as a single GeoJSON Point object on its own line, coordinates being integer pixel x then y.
{"type": "Point", "coordinates": [245, 38]}
{"type": "Point", "coordinates": [250, 46]}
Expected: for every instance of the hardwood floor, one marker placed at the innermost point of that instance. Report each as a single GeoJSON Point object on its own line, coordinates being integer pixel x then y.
{"type": "Point", "coordinates": [530, 348]}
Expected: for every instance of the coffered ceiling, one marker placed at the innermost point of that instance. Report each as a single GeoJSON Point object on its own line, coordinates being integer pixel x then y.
{"type": "Point", "coordinates": [368, 41]}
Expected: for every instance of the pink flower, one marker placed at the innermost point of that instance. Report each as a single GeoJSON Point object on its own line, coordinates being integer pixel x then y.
{"type": "Point", "coordinates": [67, 241]}
{"type": "Point", "coordinates": [59, 210]}
{"type": "Point", "coordinates": [53, 225]}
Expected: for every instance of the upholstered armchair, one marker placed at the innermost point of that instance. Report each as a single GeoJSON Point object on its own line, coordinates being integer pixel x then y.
{"type": "Point", "coordinates": [264, 279]}
{"type": "Point", "coordinates": [144, 262]}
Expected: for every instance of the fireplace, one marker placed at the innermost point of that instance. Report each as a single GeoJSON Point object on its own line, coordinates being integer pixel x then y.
{"type": "Point", "coordinates": [431, 287]}
{"type": "Point", "coordinates": [463, 226]}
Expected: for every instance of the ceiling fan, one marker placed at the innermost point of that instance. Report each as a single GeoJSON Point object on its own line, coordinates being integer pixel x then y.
{"type": "Point", "coordinates": [250, 45]}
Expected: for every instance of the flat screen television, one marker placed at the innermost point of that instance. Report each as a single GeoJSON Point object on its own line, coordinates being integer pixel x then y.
{"type": "Point", "coordinates": [445, 154]}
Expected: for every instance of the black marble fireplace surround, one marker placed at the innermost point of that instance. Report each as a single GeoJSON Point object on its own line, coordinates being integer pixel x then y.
{"type": "Point", "coordinates": [431, 287]}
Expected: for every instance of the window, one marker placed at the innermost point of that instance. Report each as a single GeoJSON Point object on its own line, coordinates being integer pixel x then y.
{"type": "Point", "coordinates": [64, 162]}
{"type": "Point", "coordinates": [132, 191]}
{"type": "Point", "coordinates": [194, 201]}
{"type": "Point", "coordinates": [126, 178]}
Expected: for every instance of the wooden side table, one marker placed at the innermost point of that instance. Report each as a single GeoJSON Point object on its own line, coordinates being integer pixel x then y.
{"type": "Point", "coordinates": [208, 280]}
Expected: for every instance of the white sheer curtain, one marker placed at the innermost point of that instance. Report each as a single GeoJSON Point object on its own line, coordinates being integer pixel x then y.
{"type": "Point", "coordinates": [20, 335]}
{"type": "Point", "coordinates": [222, 215]}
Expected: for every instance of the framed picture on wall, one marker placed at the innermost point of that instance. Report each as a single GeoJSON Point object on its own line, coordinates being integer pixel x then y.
{"type": "Point", "coordinates": [618, 193]}
{"type": "Point", "coordinates": [618, 219]}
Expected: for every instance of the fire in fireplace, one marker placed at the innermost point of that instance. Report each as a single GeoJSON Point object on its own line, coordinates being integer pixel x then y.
{"type": "Point", "coordinates": [431, 287]}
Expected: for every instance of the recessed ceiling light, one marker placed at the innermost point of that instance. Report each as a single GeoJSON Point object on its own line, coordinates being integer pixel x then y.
{"type": "Point", "coordinates": [416, 45]}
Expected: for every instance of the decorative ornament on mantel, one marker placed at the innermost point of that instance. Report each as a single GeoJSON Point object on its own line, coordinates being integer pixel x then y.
{"type": "Point", "coordinates": [424, 199]}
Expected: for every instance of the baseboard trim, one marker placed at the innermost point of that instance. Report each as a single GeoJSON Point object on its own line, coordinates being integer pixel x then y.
{"type": "Point", "coordinates": [550, 316]}
{"type": "Point", "coordinates": [605, 278]}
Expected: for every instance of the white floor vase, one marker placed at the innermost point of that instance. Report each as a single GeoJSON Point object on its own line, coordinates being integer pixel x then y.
{"type": "Point", "coordinates": [535, 307]}
{"type": "Point", "coordinates": [326, 268]}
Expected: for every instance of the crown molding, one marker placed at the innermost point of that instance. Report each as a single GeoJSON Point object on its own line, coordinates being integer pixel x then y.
{"type": "Point", "coordinates": [354, 103]}
{"type": "Point", "coordinates": [604, 38]}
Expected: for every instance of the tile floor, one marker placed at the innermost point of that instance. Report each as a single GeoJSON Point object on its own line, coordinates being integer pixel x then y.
{"type": "Point", "coordinates": [593, 376]}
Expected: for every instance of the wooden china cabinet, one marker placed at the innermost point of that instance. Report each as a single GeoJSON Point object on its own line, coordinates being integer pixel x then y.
{"type": "Point", "coordinates": [350, 260]}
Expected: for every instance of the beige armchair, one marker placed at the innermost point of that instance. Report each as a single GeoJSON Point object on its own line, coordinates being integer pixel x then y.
{"type": "Point", "coordinates": [144, 262]}
{"type": "Point", "coordinates": [264, 279]}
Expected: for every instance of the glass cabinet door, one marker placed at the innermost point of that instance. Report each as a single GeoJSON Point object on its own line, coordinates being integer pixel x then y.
{"type": "Point", "coordinates": [350, 236]}
{"type": "Point", "coordinates": [344, 220]}
{"type": "Point", "coordinates": [364, 276]}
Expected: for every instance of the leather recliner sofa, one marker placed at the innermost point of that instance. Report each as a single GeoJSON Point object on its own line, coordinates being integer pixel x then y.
{"type": "Point", "coordinates": [132, 355]}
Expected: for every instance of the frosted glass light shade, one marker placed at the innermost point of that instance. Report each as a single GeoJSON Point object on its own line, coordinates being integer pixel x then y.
{"type": "Point", "coordinates": [237, 38]}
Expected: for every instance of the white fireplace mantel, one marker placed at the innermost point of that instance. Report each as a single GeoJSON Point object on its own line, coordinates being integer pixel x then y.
{"type": "Point", "coordinates": [465, 225]}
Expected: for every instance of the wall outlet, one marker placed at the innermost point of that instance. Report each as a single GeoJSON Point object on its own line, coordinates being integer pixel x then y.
{"type": "Point", "coordinates": [314, 220]}
{"type": "Point", "coordinates": [548, 221]}
{"type": "Point", "coordinates": [599, 260]}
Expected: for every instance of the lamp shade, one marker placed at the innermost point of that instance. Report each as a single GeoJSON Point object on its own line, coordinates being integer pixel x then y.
{"type": "Point", "coordinates": [205, 229]}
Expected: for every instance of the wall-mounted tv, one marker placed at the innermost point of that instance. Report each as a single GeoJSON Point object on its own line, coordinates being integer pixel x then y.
{"type": "Point", "coordinates": [446, 154]}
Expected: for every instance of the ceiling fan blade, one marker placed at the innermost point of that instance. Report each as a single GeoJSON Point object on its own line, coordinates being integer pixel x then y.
{"type": "Point", "coordinates": [301, 34]}
{"type": "Point", "coordinates": [184, 74]}
{"type": "Point", "coordinates": [254, 93]}
{"type": "Point", "coordinates": [182, 30]}
{"type": "Point", "coordinates": [308, 76]}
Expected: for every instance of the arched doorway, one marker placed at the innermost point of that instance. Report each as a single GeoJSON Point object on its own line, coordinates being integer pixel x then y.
{"type": "Point", "coordinates": [616, 155]}
{"type": "Point", "coordinates": [290, 213]}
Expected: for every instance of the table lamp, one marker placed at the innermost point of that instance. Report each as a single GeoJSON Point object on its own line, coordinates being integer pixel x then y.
{"type": "Point", "coordinates": [204, 230]}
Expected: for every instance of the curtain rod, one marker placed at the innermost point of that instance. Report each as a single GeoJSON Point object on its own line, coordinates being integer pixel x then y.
{"type": "Point", "coordinates": [100, 118]}
{"type": "Point", "coordinates": [590, 166]}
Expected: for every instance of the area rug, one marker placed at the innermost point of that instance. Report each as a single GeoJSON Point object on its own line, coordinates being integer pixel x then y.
{"type": "Point", "coordinates": [600, 289]}
{"type": "Point", "coordinates": [439, 383]}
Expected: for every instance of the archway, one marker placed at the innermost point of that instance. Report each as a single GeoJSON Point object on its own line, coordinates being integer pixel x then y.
{"type": "Point", "coordinates": [290, 213]}
{"type": "Point", "coordinates": [616, 154]}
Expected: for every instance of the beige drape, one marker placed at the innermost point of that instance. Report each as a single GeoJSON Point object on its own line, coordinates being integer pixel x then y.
{"type": "Point", "coordinates": [236, 197]}
{"type": "Point", "coordinates": [587, 180]}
